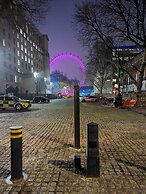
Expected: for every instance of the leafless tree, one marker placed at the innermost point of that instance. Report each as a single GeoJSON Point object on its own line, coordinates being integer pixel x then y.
{"type": "Point", "coordinates": [114, 22]}
{"type": "Point", "coordinates": [98, 67]}
{"type": "Point", "coordinates": [33, 9]}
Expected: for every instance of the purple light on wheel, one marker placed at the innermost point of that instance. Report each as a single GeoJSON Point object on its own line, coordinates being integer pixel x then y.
{"type": "Point", "coordinates": [72, 57]}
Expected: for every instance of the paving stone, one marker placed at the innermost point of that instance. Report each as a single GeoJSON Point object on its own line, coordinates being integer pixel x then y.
{"type": "Point", "coordinates": [48, 150]}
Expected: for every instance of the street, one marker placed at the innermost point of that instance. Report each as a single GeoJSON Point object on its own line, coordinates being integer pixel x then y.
{"type": "Point", "coordinates": [48, 149]}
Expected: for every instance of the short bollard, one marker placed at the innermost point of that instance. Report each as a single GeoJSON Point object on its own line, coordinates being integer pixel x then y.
{"type": "Point", "coordinates": [16, 155]}
{"type": "Point", "coordinates": [77, 163]}
{"type": "Point", "coordinates": [16, 152]}
{"type": "Point", "coordinates": [92, 151]}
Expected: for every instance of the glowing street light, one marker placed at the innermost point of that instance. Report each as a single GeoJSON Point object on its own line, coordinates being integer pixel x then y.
{"type": "Point", "coordinates": [36, 81]}
{"type": "Point", "coordinates": [35, 74]}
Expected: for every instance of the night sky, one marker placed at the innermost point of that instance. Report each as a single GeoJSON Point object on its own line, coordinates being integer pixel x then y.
{"type": "Point", "coordinates": [62, 37]}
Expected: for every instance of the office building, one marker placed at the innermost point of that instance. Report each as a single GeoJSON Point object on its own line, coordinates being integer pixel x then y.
{"type": "Point", "coordinates": [24, 58]}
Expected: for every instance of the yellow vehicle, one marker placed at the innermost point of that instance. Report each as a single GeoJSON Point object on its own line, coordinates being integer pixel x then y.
{"type": "Point", "coordinates": [13, 102]}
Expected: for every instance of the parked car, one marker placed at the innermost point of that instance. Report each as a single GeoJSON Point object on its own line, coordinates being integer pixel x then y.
{"type": "Point", "coordinates": [13, 102]}
{"type": "Point", "coordinates": [89, 99]}
{"type": "Point", "coordinates": [40, 99]}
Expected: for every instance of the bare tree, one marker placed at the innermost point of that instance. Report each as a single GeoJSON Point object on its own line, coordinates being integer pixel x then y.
{"type": "Point", "coordinates": [98, 67]}
{"type": "Point", "coordinates": [113, 22]}
{"type": "Point", "coordinates": [33, 9]}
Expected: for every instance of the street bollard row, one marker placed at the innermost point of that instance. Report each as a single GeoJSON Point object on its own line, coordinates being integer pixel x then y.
{"type": "Point", "coordinates": [92, 149]}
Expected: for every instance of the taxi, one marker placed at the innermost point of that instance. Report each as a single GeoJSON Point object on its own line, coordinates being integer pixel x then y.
{"type": "Point", "coordinates": [13, 102]}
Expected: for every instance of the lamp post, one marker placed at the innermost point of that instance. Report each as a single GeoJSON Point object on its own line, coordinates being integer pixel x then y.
{"type": "Point", "coordinates": [36, 81]}
{"type": "Point", "coordinates": [45, 83]}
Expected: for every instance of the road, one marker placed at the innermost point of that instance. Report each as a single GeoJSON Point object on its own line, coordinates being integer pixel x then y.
{"type": "Point", "coordinates": [48, 149]}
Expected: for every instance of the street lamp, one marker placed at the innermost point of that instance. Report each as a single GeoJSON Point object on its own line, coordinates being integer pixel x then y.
{"type": "Point", "coordinates": [45, 83]}
{"type": "Point", "coordinates": [36, 81]}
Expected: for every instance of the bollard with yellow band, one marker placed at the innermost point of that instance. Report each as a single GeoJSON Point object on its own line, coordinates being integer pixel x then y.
{"type": "Point", "coordinates": [16, 153]}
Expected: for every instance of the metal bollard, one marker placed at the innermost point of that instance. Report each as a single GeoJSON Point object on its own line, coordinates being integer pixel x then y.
{"type": "Point", "coordinates": [76, 117]}
{"type": "Point", "coordinates": [16, 153]}
{"type": "Point", "coordinates": [77, 163]}
{"type": "Point", "coordinates": [92, 151]}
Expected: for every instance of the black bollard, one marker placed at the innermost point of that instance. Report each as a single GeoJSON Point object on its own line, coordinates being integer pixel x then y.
{"type": "Point", "coordinates": [77, 162]}
{"type": "Point", "coordinates": [16, 153]}
{"type": "Point", "coordinates": [76, 117]}
{"type": "Point", "coordinates": [92, 151]}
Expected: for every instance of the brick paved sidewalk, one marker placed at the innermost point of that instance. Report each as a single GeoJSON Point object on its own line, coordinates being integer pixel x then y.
{"type": "Point", "coordinates": [48, 151]}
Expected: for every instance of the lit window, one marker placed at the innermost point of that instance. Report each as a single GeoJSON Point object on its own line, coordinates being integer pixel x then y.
{"type": "Point", "coordinates": [24, 35]}
{"type": "Point", "coordinates": [20, 30]}
{"type": "Point", "coordinates": [18, 62]}
{"type": "Point", "coordinates": [18, 70]}
{"type": "Point", "coordinates": [31, 48]}
{"type": "Point", "coordinates": [28, 60]}
{"type": "Point", "coordinates": [33, 44]}
{"type": "Point", "coordinates": [26, 28]}
{"type": "Point", "coordinates": [17, 35]}
{"type": "Point", "coordinates": [28, 53]}
{"type": "Point", "coordinates": [4, 42]}
{"type": "Point", "coordinates": [16, 79]}
{"type": "Point", "coordinates": [25, 58]}
{"type": "Point", "coordinates": [136, 77]}
{"type": "Point", "coordinates": [21, 47]}
{"type": "Point", "coordinates": [17, 44]}
{"type": "Point", "coordinates": [22, 56]}
{"type": "Point", "coordinates": [31, 55]}
{"type": "Point", "coordinates": [32, 69]}
{"type": "Point", "coordinates": [25, 50]}
{"type": "Point", "coordinates": [25, 42]}
{"type": "Point", "coordinates": [18, 53]}
{"type": "Point", "coordinates": [31, 62]}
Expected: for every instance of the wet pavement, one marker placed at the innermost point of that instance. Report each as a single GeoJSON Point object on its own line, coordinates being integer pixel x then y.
{"type": "Point", "coordinates": [48, 150]}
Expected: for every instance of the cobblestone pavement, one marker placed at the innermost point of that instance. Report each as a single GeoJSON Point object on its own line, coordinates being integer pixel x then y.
{"type": "Point", "coordinates": [48, 150]}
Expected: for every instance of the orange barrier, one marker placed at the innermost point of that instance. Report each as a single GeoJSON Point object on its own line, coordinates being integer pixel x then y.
{"type": "Point", "coordinates": [129, 103]}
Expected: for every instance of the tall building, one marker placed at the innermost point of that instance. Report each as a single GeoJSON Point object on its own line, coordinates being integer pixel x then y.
{"type": "Point", "coordinates": [24, 58]}
{"type": "Point", "coordinates": [121, 56]}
